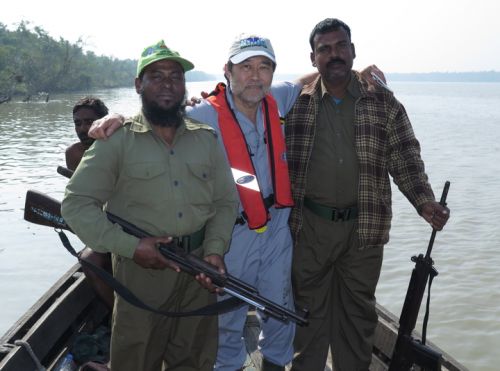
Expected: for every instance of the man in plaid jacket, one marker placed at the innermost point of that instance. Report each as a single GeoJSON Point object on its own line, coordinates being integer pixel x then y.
{"type": "Point", "coordinates": [343, 142]}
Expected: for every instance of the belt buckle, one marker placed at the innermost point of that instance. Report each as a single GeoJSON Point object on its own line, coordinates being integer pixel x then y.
{"type": "Point", "coordinates": [335, 215]}
{"type": "Point", "coordinates": [340, 214]}
{"type": "Point", "coordinates": [186, 244]}
{"type": "Point", "coordinates": [176, 241]}
{"type": "Point", "coordinates": [346, 214]}
{"type": "Point", "coordinates": [182, 242]}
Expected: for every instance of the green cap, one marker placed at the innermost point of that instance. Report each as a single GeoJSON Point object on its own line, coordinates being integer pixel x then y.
{"type": "Point", "coordinates": [158, 52]}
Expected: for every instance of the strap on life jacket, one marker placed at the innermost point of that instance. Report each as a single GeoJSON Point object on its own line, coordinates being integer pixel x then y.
{"type": "Point", "coordinates": [242, 167]}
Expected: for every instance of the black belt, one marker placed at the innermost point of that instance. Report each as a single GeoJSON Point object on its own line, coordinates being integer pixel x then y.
{"type": "Point", "coordinates": [190, 242]}
{"type": "Point", "coordinates": [331, 213]}
{"type": "Point", "coordinates": [268, 203]}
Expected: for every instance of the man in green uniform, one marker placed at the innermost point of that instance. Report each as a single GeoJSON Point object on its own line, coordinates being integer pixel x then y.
{"type": "Point", "coordinates": [343, 142]}
{"type": "Point", "coordinates": [166, 174]}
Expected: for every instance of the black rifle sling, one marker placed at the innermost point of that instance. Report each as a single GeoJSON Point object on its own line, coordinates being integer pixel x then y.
{"type": "Point", "coordinates": [427, 308]}
{"type": "Point", "coordinates": [208, 310]}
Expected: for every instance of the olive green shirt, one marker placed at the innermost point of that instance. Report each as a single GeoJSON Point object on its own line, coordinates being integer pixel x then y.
{"type": "Point", "coordinates": [166, 190]}
{"type": "Point", "coordinates": [332, 178]}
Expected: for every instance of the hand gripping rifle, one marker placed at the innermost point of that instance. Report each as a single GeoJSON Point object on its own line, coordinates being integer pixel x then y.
{"type": "Point", "coordinates": [44, 210]}
{"type": "Point", "coordinates": [409, 351]}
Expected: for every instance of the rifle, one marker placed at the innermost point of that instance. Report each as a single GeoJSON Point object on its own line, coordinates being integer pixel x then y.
{"type": "Point", "coordinates": [64, 171]}
{"type": "Point", "coordinates": [44, 210]}
{"type": "Point", "coordinates": [409, 351]}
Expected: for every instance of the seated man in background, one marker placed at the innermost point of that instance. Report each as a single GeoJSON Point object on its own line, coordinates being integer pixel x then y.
{"type": "Point", "coordinates": [87, 110]}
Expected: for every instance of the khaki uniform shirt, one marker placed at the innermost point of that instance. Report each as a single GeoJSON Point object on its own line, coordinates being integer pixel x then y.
{"type": "Point", "coordinates": [165, 190]}
{"type": "Point", "coordinates": [332, 179]}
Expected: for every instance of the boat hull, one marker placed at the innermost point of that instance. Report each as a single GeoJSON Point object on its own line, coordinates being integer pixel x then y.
{"type": "Point", "coordinates": [44, 333]}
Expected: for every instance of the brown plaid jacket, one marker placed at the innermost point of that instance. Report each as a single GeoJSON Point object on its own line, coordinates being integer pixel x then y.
{"type": "Point", "coordinates": [385, 144]}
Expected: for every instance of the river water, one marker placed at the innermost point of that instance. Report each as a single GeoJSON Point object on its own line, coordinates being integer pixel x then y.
{"type": "Point", "coordinates": [458, 125]}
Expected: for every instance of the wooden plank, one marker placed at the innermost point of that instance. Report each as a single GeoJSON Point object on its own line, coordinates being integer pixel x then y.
{"type": "Point", "coordinates": [46, 332]}
{"type": "Point", "coordinates": [377, 364]}
{"type": "Point", "coordinates": [386, 334]}
{"type": "Point", "coordinates": [22, 325]}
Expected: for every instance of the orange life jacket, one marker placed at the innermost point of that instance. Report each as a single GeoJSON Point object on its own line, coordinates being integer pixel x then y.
{"type": "Point", "coordinates": [241, 164]}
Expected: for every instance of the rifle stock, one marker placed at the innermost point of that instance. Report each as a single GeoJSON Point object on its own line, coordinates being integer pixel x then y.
{"type": "Point", "coordinates": [64, 171]}
{"type": "Point", "coordinates": [44, 210]}
{"type": "Point", "coordinates": [407, 350]}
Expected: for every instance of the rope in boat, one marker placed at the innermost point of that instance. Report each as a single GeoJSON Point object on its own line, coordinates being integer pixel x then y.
{"type": "Point", "coordinates": [27, 346]}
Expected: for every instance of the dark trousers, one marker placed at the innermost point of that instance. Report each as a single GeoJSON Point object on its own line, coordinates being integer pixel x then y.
{"type": "Point", "coordinates": [336, 281]}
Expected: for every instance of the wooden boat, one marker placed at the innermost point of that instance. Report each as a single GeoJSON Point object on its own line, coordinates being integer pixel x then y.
{"type": "Point", "coordinates": [40, 338]}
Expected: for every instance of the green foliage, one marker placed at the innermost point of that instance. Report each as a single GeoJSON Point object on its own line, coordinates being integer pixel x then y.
{"type": "Point", "coordinates": [31, 62]}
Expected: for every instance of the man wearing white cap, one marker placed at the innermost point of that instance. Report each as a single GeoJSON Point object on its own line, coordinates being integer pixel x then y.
{"type": "Point", "coordinates": [246, 114]}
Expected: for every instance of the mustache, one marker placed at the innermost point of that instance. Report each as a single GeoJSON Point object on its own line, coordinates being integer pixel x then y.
{"type": "Point", "coordinates": [86, 140]}
{"type": "Point", "coordinates": [83, 136]}
{"type": "Point", "coordinates": [335, 61]}
{"type": "Point", "coordinates": [260, 86]}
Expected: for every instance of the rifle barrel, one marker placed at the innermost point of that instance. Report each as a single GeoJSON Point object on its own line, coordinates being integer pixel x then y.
{"type": "Point", "coordinates": [442, 202]}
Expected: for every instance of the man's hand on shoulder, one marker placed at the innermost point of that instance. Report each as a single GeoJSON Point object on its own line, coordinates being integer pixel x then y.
{"type": "Point", "coordinates": [306, 79]}
{"type": "Point", "coordinates": [196, 100]}
{"type": "Point", "coordinates": [435, 214]}
{"type": "Point", "coordinates": [375, 77]}
{"type": "Point", "coordinates": [106, 126]}
{"type": "Point", "coordinates": [147, 255]}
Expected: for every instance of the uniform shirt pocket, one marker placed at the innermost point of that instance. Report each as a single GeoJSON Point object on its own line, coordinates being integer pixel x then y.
{"type": "Point", "coordinates": [146, 182]}
{"type": "Point", "coordinates": [145, 171]}
{"type": "Point", "coordinates": [201, 186]}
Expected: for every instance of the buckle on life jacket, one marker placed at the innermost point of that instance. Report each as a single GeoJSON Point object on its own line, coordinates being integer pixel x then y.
{"type": "Point", "coordinates": [268, 203]}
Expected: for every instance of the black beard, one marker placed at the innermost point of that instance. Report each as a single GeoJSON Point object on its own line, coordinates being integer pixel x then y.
{"type": "Point", "coordinates": [163, 117]}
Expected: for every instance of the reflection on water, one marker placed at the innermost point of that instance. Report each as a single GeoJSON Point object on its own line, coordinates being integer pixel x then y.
{"type": "Point", "coordinates": [457, 125]}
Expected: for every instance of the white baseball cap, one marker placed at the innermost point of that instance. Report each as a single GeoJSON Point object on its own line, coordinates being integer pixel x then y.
{"type": "Point", "coordinates": [248, 45]}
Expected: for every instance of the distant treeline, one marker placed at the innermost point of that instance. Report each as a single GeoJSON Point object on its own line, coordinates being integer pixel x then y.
{"type": "Point", "coordinates": [32, 62]}
{"type": "Point", "coordinates": [486, 76]}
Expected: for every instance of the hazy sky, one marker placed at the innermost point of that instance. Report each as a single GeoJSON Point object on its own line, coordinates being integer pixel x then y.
{"type": "Point", "coordinates": [396, 35]}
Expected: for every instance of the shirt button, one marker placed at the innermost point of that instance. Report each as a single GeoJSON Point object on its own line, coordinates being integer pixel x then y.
{"type": "Point", "coordinates": [179, 215]}
{"type": "Point", "coordinates": [204, 175]}
{"type": "Point", "coordinates": [171, 151]}
{"type": "Point", "coordinates": [341, 160]}
{"type": "Point", "coordinates": [176, 183]}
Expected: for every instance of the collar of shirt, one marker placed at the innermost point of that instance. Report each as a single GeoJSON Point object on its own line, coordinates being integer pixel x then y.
{"type": "Point", "coordinates": [352, 89]}
{"type": "Point", "coordinates": [140, 124]}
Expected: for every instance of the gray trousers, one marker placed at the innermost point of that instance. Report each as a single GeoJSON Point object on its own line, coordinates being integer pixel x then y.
{"type": "Point", "coordinates": [336, 281]}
